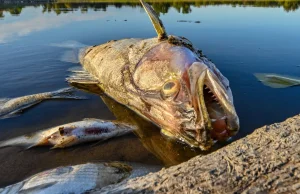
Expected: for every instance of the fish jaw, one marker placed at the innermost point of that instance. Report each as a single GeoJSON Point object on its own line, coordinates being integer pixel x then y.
{"type": "Point", "coordinates": [217, 108]}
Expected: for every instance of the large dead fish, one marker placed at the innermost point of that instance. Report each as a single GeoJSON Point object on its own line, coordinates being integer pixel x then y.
{"type": "Point", "coordinates": [10, 107]}
{"type": "Point", "coordinates": [167, 81]}
{"type": "Point", "coordinates": [71, 134]}
{"type": "Point", "coordinates": [277, 81]}
{"type": "Point", "coordinates": [79, 178]}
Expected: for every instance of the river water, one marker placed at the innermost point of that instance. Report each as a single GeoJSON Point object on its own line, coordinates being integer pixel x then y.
{"type": "Point", "coordinates": [240, 39]}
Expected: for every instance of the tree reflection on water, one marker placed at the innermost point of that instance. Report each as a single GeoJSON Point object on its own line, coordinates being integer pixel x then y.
{"type": "Point", "coordinates": [162, 6]}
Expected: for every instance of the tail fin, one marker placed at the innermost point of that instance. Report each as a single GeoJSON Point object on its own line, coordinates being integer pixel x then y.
{"type": "Point", "coordinates": [21, 141]}
{"type": "Point", "coordinates": [277, 81]}
{"type": "Point", "coordinates": [66, 93]}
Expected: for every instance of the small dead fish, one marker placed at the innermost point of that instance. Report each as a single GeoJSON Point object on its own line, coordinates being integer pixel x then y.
{"type": "Point", "coordinates": [71, 134]}
{"type": "Point", "coordinates": [79, 178]}
{"type": "Point", "coordinates": [277, 81]}
{"type": "Point", "coordinates": [10, 107]}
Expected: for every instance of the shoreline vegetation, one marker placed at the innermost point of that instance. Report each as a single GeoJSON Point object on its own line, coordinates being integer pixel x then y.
{"type": "Point", "coordinates": [14, 7]}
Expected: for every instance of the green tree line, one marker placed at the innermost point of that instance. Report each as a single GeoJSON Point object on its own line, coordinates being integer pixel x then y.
{"type": "Point", "coordinates": [160, 6]}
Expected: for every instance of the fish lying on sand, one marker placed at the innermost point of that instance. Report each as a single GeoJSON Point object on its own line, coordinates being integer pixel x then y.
{"type": "Point", "coordinates": [10, 107]}
{"type": "Point", "coordinates": [79, 178]}
{"type": "Point", "coordinates": [277, 81]}
{"type": "Point", "coordinates": [165, 80]}
{"type": "Point", "coordinates": [71, 134]}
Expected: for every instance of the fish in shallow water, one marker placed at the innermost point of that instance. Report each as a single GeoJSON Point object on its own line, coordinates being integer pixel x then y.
{"type": "Point", "coordinates": [79, 178]}
{"type": "Point", "coordinates": [165, 80]}
{"type": "Point", "coordinates": [277, 81]}
{"type": "Point", "coordinates": [71, 134]}
{"type": "Point", "coordinates": [10, 107]}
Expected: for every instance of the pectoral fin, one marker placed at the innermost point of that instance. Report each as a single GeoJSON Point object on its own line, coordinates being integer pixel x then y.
{"type": "Point", "coordinates": [67, 142]}
{"type": "Point", "coordinates": [277, 81]}
{"type": "Point", "coordinates": [157, 23]}
{"type": "Point", "coordinates": [79, 75]}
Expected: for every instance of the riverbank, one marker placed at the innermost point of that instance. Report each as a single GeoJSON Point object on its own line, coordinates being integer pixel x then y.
{"type": "Point", "coordinates": [267, 161]}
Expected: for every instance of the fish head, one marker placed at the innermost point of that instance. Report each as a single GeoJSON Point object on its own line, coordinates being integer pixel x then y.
{"type": "Point", "coordinates": [185, 95]}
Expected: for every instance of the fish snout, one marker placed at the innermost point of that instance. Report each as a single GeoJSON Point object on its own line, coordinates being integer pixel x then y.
{"type": "Point", "coordinates": [212, 100]}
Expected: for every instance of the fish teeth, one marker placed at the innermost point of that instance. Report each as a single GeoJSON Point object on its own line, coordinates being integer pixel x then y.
{"type": "Point", "coordinates": [222, 118]}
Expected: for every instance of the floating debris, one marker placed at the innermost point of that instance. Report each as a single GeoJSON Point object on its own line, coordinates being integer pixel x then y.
{"type": "Point", "coordinates": [277, 81]}
{"type": "Point", "coordinates": [189, 21]}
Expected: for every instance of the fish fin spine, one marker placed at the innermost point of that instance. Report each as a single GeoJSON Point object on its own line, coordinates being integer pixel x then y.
{"type": "Point", "coordinates": [157, 23]}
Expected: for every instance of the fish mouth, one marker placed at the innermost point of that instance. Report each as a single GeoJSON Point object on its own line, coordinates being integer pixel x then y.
{"type": "Point", "coordinates": [218, 113]}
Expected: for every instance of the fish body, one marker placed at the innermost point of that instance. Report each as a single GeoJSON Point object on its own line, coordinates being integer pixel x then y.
{"type": "Point", "coordinates": [167, 81]}
{"type": "Point", "coordinates": [78, 178]}
{"type": "Point", "coordinates": [71, 134]}
{"type": "Point", "coordinates": [87, 131]}
{"type": "Point", "coordinates": [10, 107]}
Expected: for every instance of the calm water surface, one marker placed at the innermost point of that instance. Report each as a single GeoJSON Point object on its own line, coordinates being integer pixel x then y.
{"type": "Point", "coordinates": [239, 40]}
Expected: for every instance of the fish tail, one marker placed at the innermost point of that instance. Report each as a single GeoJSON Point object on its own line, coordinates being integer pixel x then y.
{"type": "Point", "coordinates": [66, 93]}
{"type": "Point", "coordinates": [21, 141]}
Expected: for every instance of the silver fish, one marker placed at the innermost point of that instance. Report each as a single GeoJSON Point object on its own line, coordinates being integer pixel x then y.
{"type": "Point", "coordinates": [167, 81]}
{"type": "Point", "coordinates": [10, 107]}
{"type": "Point", "coordinates": [71, 134]}
{"type": "Point", "coordinates": [277, 81]}
{"type": "Point", "coordinates": [79, 178]}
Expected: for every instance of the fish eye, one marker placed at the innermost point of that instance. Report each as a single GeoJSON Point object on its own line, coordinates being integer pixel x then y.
{"type": "Point", "coordinates": [170, 89]}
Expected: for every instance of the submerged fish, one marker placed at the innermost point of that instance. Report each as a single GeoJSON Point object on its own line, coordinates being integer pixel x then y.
{"type": "Point", "coordinates": [277, 81]}
{"type": "Point", "coordinates": [10, 107]}
{"type": "Point", "coordinates": [71, 134]}
{"type": "Point", "coordinates": [79, 178]}
{"type": "Point", "coordinates": [167, 81]}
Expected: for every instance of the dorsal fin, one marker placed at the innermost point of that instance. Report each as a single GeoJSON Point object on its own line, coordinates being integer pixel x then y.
{"type": "Point", "coordinates": [157, 23]}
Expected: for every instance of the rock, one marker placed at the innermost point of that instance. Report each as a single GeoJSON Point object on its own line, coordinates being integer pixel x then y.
{"type": "Point", "coordinates": [267, 161]}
